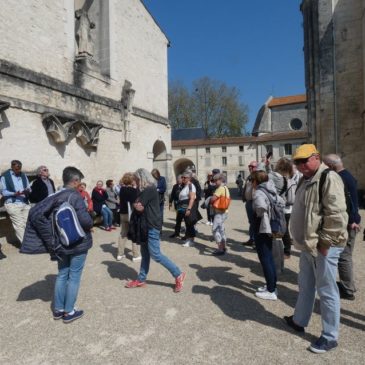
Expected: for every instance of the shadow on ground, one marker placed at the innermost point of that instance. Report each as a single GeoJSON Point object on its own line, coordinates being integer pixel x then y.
{"type": "Point", "coordinates": [42, 290]}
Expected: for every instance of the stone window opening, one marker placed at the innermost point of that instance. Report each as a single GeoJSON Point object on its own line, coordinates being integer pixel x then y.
{"type": "Point", "coordinates": [224, 161]}
{"type": "Point", "coordinates": [296, 124]}
{"type": "Point", "coordinates": [224, 148]}
{"type": "Point", "coordinates": [207, 149]}
{"type": "Point", "coordinates": [241, 148]}
{"type": "Point", "coordinates": [288, 149]}
{"type": "Point", "coordinates": [183, 151]}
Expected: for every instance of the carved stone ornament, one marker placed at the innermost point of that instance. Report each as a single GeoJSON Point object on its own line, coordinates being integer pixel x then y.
{"type": "Point", "coordinates": [62, 129]}
{"type": "Point", "coordinates": [4, 105]}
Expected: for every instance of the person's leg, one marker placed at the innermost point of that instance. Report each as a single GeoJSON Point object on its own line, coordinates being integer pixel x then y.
{"type": "Point", "coordinates": [156, 255]}
{"type": "Point", "coordinates": [179, 218]}
{"type": "Point", "coordinates": [326, 271]}
{"type": "Point", "coordinates": [162, 206]}
{"type": "Point", "coordinates": [307, 290]}
{"type": "Point", "coordinates": [264, 251]}
{"type": "Point", "coordinates": [286, 238]}
{"type": "Point", "coordinates": [145, 263]}
{"type": "Point", "coordinates": [110, 217]}
{"type": "Point", "coordinates": [124, 225]}
{"type": "Point", "coordinates": [345, 265]}
{"type": "Point", "coordinates": [190, 230]}
{"type": "Point", "coordinates": [77, 263]}
{"type": "Point", "coordinates": [250, 216]}
{"type": "Point", "coordinates": [61, 284]}
{"type": "Point", "coordinates": [216, 229]}
{"type": "Point", "coordinates": [104, 214]}
{"type": "Point", "coordinates": [17, 216]}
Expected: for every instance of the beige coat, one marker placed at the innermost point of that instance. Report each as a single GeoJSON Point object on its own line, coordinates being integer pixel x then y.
{"type": "Point", "coordinates": [325, 224]}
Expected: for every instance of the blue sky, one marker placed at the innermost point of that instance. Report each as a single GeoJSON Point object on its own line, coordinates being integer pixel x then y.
{"type": "Point", "coordinates": [255, 45]}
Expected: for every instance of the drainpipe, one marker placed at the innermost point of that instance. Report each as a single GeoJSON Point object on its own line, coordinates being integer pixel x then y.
{"type": "Point", "coordinates": [335, 119]}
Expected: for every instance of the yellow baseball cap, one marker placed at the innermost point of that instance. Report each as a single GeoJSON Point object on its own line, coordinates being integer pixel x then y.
{"type": "Point", "coordinates": [305, 151]}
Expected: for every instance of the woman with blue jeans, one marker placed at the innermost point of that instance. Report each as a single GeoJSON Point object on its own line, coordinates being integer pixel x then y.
{"type": "Point", "coordinates": [99, 197]}
{"type": "Point", "coordinates": [263, 235]}
{"type": "Point", "coordinates": [148, 203]}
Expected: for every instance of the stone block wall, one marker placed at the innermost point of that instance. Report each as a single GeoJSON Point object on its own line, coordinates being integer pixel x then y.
{"type": "Point", "coordinates": [282, 115]}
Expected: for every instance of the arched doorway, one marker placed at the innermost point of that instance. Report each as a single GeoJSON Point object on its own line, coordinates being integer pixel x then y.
{"type": "Point", "coordinates": [160, 157]}
{"type": "Point", "coordinates": [181, 165]}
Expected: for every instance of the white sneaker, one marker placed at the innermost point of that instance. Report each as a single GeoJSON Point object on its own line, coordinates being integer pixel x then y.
{"type": "Point", "coordinates": [208, 223]}
{"type": "Point", "coordinates": [262, 289]}
{"type": "Point", "coordinates": [120, 257]}
{"type": "Point", "coordinates": [211, 223]}
{"type": "Point", "coordinates": [135, 259]}
{"type": "Point", "coordinates": [266, 295]}
{"type": "Point", "coordinates": [188, 243]}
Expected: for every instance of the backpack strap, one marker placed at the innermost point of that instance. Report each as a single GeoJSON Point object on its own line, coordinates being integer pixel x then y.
{"type": "Point", "coordinates": [285, 186]}
{"type": "Point", "coordinates": [322, 180]}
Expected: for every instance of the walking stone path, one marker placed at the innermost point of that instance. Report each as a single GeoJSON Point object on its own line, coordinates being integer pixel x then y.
{"type": "Point", "coordinates": [215, 320]}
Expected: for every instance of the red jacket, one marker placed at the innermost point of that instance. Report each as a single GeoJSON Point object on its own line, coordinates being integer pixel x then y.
{"type": "Point", "coordinates": [88, 202]}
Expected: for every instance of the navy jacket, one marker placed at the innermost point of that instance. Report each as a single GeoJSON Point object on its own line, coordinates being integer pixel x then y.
{"type": "Point", "coordinates": [39, 236]}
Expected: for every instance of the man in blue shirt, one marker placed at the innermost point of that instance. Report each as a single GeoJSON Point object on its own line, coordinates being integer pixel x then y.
{"type": "Point", "coordinates": [15, 190]}
{"type": "Point", "coordinates": [345, 264]}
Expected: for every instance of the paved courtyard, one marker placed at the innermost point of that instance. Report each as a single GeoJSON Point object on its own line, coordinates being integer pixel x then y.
{"type": "Point", "coordinates": [215, 320]}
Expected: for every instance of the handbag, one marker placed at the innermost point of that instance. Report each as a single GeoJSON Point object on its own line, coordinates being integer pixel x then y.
{"type": "Point", "coordinates": [223, 202]}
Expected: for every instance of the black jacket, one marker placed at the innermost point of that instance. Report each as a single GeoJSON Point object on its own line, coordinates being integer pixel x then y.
{"type": "Point", "coordinates": [39, 190]}
{"type": "Point", "coordinates": [174, 196]}
{"type": "Point", "coordinates": [40, 236]}
{"type": "Point", "coordinates": [98, 200]}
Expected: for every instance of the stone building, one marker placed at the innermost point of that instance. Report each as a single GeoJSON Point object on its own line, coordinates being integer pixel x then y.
{"type": "Point", "coordinates": [83, 83]}
{"type": "Point", "coordinates": [280, 127]}
{"type": "Point", "coordinates": [334, 49]}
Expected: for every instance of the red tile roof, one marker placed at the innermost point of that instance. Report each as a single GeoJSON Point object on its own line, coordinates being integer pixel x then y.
{"type": "Point", "coordinates": [278, 136]}
{"type": "Point", "coordinates": [287, 100]}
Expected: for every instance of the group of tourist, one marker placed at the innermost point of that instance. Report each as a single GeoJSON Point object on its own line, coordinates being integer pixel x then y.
{"type": "Point", "coordinates": [316, 200]}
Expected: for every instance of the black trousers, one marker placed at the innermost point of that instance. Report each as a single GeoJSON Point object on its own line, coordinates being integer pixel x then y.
{"type": "Point", "coordinates": [287, 241]}
{"type": "Point", "coordinates": [190, 230]}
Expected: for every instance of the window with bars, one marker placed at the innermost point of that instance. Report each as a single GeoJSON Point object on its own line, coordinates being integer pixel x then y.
{"type": "Point", "coordinates": [224, 161]}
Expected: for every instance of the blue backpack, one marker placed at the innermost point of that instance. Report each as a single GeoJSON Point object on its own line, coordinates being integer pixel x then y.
{"type": "Point", "coordinates": [67, 224]}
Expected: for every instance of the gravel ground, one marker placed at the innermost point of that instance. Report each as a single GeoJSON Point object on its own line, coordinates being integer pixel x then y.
{"type": "Point", "coordinates": [215, 320]}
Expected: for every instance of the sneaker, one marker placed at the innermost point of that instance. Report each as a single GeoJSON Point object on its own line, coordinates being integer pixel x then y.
{"type": "Point", "coordinates": [67, 318]}
{"type": "Point", "coordinates": [188, 243]}
{"type": "Point", "coordinates": [266, 295]}
{"type": "Point", "coordinates": [219, 252]}
{"type": "Point", "coordinates": [211, 223]}
{"type": "Point", "coordinates": [208, 223]}
{"type": "Point", "coordinates": [174, 235]}
{"type": "Point", "coordinates": [248, 243]}
{"type": "Point", "coordinates": [322, 345]}
{"type": "Point", "coordinates": [58, 314]}
{"type": "Point", "coordinates": [135, 259]}
{"type": "Point", "coordinates": [261, 289]}
{"type": "Point", "coordinates": [179, 282]}
{"type": "Point", "coordinates": [343, 293]}
{"type": "Point", "coordinates": [135, 284]}
{"type": "Point", "coordinates": [290, 322]}
{"type": "Point", "coordinates": [120, 257]}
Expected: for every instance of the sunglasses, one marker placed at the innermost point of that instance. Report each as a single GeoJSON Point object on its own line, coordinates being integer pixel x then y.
{"type": "Point", "coordinates": [301, 161]}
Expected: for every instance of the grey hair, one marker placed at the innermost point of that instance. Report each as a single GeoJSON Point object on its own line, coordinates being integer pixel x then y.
{"type": "Point", "coordinates": [40, 168]}
{"type": "Point", "coordinates": [145, 179]}
{"type": "Point", "coordinates": [219, 176]}
{"type": "Point", "coordinates": [332, 159]}
{"type": "Point", "coordinates": [187, 173]}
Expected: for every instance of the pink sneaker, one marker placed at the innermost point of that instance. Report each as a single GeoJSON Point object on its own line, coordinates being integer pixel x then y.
{"type": "Point", "coordinates": [135, 284]}
{"type": "Point", "coordinates": [179, 282]}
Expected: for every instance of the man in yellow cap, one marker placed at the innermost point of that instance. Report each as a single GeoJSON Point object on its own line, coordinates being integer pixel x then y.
{"type": "Point", "coordinates": [319, 229]}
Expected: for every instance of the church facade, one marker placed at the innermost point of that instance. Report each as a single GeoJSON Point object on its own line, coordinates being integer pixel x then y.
{"type": "Point", "coordinates": [83, 83]}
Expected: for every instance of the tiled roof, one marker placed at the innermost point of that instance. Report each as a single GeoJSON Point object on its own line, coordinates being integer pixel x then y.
{"type": "Point", "coordinates": [279, 136]}
{"type": "Point", "coordinates": [287, 100]}
{"type": "Point", "coordinates": [187, 134]}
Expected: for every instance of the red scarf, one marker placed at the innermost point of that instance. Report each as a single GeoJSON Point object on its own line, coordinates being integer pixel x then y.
{"type": "Point", "coordinates": [100, 191]}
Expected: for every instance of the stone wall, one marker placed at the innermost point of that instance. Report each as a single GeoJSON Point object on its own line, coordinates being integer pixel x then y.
{"type": "Point", "coordinates": [42, 74]}
{"type": "Point", "coordinates": [282, 115]}
{"type": "Point", "coordinates": [334, 48]}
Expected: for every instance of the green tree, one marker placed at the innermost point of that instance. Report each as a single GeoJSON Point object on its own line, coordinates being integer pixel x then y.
{"type": "Point", "coordinates": [210, 104]}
